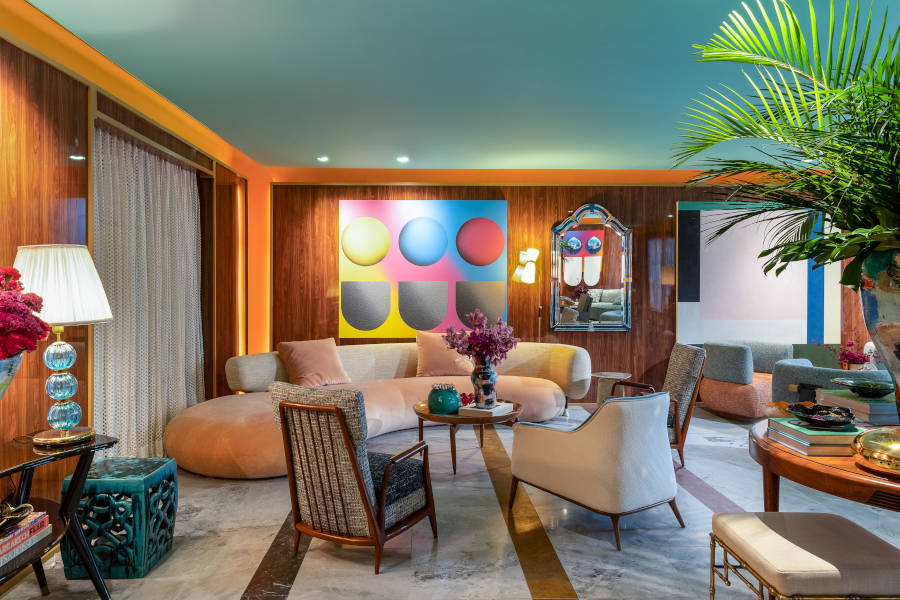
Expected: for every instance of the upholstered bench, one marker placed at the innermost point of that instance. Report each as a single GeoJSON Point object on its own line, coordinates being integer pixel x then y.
{"type": "Point", "coordinates": [803, 555]}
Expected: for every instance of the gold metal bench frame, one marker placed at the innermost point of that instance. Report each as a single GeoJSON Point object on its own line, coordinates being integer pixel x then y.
{"type": "Point", "coordinates": [762, 586]}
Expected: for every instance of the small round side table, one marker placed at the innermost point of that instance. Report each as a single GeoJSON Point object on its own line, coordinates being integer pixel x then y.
{"type": "Point", "coordinates": [455, 421]}
{"type": "Point", "coordinates": [605, 381]}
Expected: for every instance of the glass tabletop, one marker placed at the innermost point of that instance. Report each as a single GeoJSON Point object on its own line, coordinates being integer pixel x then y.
{"type": "Point", "coordinates": [21, 453]}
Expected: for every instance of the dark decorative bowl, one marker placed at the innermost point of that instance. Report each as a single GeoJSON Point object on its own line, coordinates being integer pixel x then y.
{"type": "Point", "coordinates": [822, 417]}
{"type": "Point", "coordinates": [865, 388]}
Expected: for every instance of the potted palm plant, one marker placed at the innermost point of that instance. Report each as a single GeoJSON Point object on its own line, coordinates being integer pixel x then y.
{"type": "Point", "coordinates": [822, 108]}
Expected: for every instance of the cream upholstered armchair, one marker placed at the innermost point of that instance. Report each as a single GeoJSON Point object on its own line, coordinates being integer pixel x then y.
{"type": "Point", "coordinates": [625, 464]}
{"type": "Point", "coordinates": [340, 491]}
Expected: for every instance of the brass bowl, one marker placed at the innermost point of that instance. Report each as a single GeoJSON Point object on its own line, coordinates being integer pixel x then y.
{"type": "Point", "coordinates": [879, 449]}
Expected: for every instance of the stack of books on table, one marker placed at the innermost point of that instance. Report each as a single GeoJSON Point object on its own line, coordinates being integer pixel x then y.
{"type": "Point", "coordinates": [30, 531]}
{"type": "Point", "coordinates": [500, 408]}
{"type": "Point", "coordinates": [878, 411]}
{"type": "Point", "coordinates": [814, 442]}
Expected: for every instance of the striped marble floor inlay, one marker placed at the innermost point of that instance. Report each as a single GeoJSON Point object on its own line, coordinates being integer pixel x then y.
{"type": "Point", "coordinates": [544, 573]}
{"type": "Point", "coordinates": [276, 573]}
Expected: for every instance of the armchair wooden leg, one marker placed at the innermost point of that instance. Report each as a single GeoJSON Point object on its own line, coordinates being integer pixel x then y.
{"type": "Point", "coordinates": [432, 518]}
{"type": "Point", "coordinates": [615, 522]}
{"type": "Point", "coordinates": [377, 556]}
{"type": "Point", "coordinates": [296, 540]}
{"type": "Point", "coordinates": [675, 510]}
{"type": "Point", "coordinates": [513, 488]}
{"type": "Point", "coordinates": [681, 455]}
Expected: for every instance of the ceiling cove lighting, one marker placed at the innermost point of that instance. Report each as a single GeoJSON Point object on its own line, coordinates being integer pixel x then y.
{"type": "Point", "coordinates": [403, 159]}
{"type": "Point", "coordinates": [322, 159]}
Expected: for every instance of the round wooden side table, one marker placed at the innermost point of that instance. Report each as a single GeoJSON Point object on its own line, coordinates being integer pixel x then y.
{"type": "Point", "coordinates": [836, 475]}
{"type": "Point", "coordinates": [455, 421]}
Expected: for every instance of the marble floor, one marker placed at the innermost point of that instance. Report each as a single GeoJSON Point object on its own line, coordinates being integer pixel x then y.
{"type": "Point", "coordinates": [227, 533]}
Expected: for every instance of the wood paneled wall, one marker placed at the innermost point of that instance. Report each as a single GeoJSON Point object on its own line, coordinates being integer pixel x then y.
{"type": "Point", "coordinates": [305, 262]}
{"type": "Point", "coordinates": [225, 248]}
{"type": "Point", "coordinates": [43, 120]}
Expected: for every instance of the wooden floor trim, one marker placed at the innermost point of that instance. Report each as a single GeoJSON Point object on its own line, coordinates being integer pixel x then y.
{"type": "Point", "coordinates": [544, 573]}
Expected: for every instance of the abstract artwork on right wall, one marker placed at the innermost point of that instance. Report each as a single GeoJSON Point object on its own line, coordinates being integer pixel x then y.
{"type": "Point", "coordinates": [723, 293]}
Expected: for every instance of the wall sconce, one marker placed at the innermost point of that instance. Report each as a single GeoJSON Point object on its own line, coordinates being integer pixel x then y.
{"type": "Point", "coordinates": [526, 271]}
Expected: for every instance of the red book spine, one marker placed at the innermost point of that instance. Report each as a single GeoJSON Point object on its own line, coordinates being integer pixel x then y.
{"type": "Point", "coordinates": [24, 534]}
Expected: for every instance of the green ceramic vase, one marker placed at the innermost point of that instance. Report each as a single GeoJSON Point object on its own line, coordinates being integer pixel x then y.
{"type": "Point", "coordinates": [443, 399]}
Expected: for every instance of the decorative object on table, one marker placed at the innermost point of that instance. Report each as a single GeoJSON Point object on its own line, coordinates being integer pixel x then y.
{"type": "Point", "coordinates": [20, 328]}
{"type": "Point", "coordinates": [814, 441]}
{"type": "Point", "coordinates": [10, 515]}
{"type": "Point", "coordinates": [873, 361]}
{"type": "Point", "coordinates": [849, 358]}
{"type": "Point", "coordinates": [443, 399]}
{"type": "Point", "coordinates": [821, 417]}
{"type": "Point", "coordinates": [865, 388]}
{"type": "Point", "coordinates": [487, 347]}
{"type": "Point", "coordinates": [31, 529]}
{"type": "Point", "coordinates": [877, 411]}
{"type": "Point", "coordinates": [65, 277]}
{"type": "Point", "coordinates": [877, 449]}
{"type": "Point", "coordinates": [128, 510]}
{"type": "Point", "coordinates": [825, 186]}
{"type": "Point", "coordinates": [466, 399]}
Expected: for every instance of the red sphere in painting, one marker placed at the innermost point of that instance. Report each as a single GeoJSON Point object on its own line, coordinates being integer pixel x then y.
{"type": "Point", "coordinates": [480, 241]}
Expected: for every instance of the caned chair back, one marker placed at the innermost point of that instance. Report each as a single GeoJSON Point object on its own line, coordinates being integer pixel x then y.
{"type": "Point", "coordinates": [325, 440]}
{"type": "Point", "coordinates": [682, 377]}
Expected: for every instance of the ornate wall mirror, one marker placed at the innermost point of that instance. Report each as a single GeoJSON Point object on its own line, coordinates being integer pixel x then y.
{"type": "Point", "coordinates": [590, 272]}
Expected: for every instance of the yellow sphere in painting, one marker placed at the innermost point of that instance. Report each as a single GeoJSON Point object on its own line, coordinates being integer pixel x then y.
{"type": "Point", "coordinates": [365, 241]}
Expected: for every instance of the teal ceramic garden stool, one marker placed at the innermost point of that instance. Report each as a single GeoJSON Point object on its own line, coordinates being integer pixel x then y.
{"type": "Point", "coordinates": [128, 513]}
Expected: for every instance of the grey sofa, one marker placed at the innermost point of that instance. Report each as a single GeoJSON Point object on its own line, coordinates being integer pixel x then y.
{"type": "Point", "coordinates": [606, 301]}
{"type": "Point", "coordinates": [737, 380]}
{"type": "Point", "coordinates": [801, 372]}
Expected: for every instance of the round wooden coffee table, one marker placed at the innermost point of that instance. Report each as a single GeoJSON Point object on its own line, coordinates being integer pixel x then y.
{"type": "Point", "coordinates": [455, 421]}
{"type": "Point", "coordinates": [836, 475]}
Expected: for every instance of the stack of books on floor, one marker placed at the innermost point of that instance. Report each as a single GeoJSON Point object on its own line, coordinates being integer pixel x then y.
{"type": "Point", "coordinates": [878, 411]}
{"type": "Point", "coordinates": [814, 442]}
{"type": "Point", "coordinates": [30, 531]}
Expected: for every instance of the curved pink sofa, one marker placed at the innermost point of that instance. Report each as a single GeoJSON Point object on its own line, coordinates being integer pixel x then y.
{"type": "Point", "coordinates": [236, 436]}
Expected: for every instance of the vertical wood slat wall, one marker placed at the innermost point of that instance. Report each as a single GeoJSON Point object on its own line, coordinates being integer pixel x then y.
{"type": "Point", "coordinates": [46, 116]}
{"type": "Point", "coordinates": [306, 280]}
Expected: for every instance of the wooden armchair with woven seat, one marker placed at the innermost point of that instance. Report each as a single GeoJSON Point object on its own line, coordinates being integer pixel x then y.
{"type": "Point", "coordinates": [340, 491]}
{"type": "Point", "coordinates": [683, 375]}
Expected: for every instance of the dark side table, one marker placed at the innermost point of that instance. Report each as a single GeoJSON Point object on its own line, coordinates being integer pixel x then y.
{"type": "Point", "coordinates": [22, 456]}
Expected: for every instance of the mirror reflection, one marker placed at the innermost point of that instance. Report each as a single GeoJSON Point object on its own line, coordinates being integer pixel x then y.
{"type": "Point", "coordinates": [591, 272]}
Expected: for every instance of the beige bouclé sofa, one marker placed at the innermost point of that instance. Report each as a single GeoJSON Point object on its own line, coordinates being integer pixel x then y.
{"type": "Point", "coordinates": [236, 436]}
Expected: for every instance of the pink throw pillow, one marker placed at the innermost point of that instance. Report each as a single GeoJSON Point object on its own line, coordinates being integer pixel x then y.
{"type": "Point", "coordinates": [435, 358]}
{"type": "Point", "coordinates": [312, 363]}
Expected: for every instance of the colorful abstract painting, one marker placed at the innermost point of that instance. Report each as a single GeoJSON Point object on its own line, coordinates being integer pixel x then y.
{"type": "Point", "coordinates": [419, 265]}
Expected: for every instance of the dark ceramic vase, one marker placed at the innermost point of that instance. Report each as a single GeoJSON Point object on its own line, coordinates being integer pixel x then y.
{"type": "Point", "coordinates": [484, 382]}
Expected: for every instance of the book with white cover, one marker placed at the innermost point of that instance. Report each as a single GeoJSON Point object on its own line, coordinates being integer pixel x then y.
{"type": "Point", "coordinates": [500, 408]}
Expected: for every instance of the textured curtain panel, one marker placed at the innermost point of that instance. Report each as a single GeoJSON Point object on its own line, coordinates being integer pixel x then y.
{"type": "Point", "coordinates": [148, 361]}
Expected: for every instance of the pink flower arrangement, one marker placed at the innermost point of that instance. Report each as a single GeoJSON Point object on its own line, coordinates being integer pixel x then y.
{"type": "Point", "coordinates": [850, 356]}
{"type": "Point", "coordinates": [580, 291]}
{"type": "Point", "coordinates": [20, 328]}
{"type": "Point", "coordinates": [483, 344]}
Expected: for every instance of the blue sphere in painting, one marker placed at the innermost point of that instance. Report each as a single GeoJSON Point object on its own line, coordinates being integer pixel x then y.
{"type": "Point", "coordinates": [593, 245]}
{"type": "Point", "coordinates": [423, 241]}
{"type": "Point", "coordinates": [573, 245]}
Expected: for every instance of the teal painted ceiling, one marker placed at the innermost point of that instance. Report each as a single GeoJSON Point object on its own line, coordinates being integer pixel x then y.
{"type": "Point", "coordinates": [540, 84]}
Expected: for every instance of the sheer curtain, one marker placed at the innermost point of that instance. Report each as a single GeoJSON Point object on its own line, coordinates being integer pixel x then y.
{"type": "Point", "coordinates": [148, 361]}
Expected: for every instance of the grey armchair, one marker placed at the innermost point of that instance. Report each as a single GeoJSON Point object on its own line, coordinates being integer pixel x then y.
{"type": "Point", "coordinates": [339, 491]}
{"type": "Point", "coordinates": [795, 379]}
{"type": "Point", "coordinates": [738, 377]}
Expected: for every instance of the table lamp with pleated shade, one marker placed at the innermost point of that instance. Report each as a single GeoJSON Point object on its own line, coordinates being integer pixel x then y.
{"type": "Point", "coordinates": [64, 276]}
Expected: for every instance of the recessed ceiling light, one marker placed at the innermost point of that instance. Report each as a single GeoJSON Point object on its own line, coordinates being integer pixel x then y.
{"type": "Point", "coordinates": [403, 159]}
{"type": "Point", "coordinates": [322, 158]}
{"type": "Point", "coordinates": [76, 157]}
